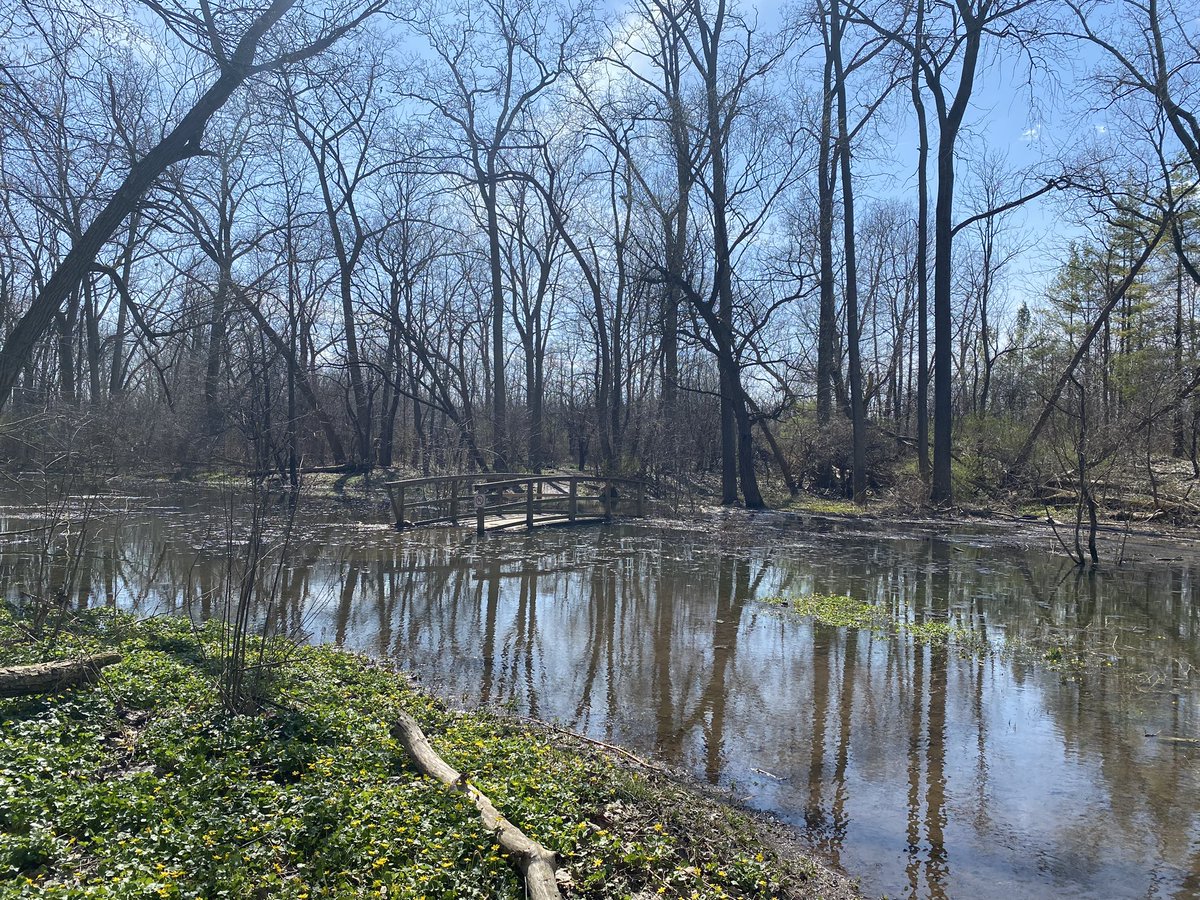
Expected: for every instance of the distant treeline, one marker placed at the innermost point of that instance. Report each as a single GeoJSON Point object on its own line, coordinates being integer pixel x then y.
{"type": "Point", "coordinates": [673, 236]}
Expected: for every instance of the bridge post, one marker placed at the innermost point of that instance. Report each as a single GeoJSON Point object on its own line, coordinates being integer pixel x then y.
{"type": "Point", "coordinates": [608, 500]}
{"type": "Point", "coordinates": [529, 504]}
{"type": "Point", "coordinates": [399, 506]}
{"type": "Point", "coordinates": [454, 501]}
{"type": "Point", "coordinates": [480, 501]}
{"type": "Point", "coordinates": [641, 499]}
{"type": "Point", "coordinates": [572, 499]}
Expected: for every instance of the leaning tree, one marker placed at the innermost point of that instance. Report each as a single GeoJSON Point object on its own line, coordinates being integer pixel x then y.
{"type": "Point", "coordinates": [234, 43]}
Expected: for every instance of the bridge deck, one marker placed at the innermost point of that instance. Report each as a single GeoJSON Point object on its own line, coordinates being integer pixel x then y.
{"type": "Point", "coordinates": [542, 520]}
{"type": "Point", "coordinates": [497, 501]}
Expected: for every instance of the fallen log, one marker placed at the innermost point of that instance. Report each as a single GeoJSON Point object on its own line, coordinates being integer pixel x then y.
{"type": "Point", "coordinates": [536, 864]}
{"type": "Point", "coordinates": [49, 677]}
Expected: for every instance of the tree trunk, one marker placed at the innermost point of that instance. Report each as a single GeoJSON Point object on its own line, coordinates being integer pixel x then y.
{"type": "Point", "coordinates": [216, 344]}
{"type": "Point", "coordinates": [499, 389]}
{"type": "Point", "coordinates": [857, 412]}
{"type": "Point", "coordinates": [827, 321]}
{"type": "Point", "coordinates": [66, 352]}
{"type": "Point", "coordinates": [362, 405]}
{"type": "Point", "coordinates": [745, 435]}
{"type": "Point", "coordinates": [949, 123]}
{"type": "Point", "coordinates": [736, 437]}
{"type": "Point", "coordinates": [784, 468]}
{"type": "Point", "coordinates": [676, 233]}
{"type": "Point", "coordinates": [92, 326]}
{"type": "Point", "coordinates": [302, 383]}
{"type": "Point", "coordinates": [52, 677]}
{"type": "Point", "coordinates": [116, 378]}
{"type": "Point", "coordinates": [943, 422]}
{"type": "Point", "coordinates": [1178, 432]}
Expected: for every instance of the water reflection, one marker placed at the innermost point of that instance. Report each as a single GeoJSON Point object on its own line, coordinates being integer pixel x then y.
{"type": "Point", "coordinates": [930, 774]}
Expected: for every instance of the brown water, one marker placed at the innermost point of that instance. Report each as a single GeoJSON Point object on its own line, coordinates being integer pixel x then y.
{"type": "Point", "coordinates": [925, 772]}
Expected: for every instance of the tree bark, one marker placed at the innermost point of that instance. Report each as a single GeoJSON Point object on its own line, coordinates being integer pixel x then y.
{"type": "Point", "coordinates": [736, 437]}
{"type": "Point", "coordinates": [675, 236]}
{"type": "Point", "coordinates": [487, 189]}
{"type": "Point", "coordinates": [51, 677]}
{"type": "Point", "coordinates": [922, 266]}
{"type": "Point", "coordinates": [116, 378]}
{"type": "Point", "coordinates": [857, 412]}
{"type": "Point", "coordinates": [950, 122]}
{"type": "Point", "coordinates": [827, 320]}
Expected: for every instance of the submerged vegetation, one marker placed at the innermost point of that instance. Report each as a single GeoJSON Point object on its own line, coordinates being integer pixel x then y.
{"type": "Point", "coordinates": [837, 610]}
{"type": "Point", "coordinates": [841, 611]}
{"type": "Point", "coordinates": [145, 786]}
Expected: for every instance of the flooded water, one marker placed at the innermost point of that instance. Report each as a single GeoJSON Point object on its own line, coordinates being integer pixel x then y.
{"type": "Point", "coordinates": [1019, 772]}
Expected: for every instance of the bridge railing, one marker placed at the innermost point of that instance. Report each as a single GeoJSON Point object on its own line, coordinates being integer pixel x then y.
{"type": "Point", "coordinates": [523, 499]}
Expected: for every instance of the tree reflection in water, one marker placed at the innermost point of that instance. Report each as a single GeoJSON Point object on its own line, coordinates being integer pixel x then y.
{"type": "Point", "coordinates": [929, 773]}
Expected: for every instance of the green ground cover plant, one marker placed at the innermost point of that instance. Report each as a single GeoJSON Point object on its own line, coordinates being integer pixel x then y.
{"type": "Point", "coordinates": [142, 785]}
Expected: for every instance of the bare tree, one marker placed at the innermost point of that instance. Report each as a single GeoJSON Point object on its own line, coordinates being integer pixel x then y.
{"type": "Point", "coordinates": [494, 62]}
{"type": "Point", "coordinates": [948, 51]}
{"type": "Point", "coordinates": [730, 66]}
{"type": "Point", "coordinates": [336, 115]}
{"type": "Point", "coordinates": [1154, 48]}
{"type": "Point", "coordinates": [236, 44]}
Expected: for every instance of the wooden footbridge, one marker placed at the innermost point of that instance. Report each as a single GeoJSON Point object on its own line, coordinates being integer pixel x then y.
{"type": "Point", "coordinates": [497, 501]}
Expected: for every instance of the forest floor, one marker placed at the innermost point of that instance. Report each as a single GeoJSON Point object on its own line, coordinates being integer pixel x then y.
{"type": "Point", "coordinates": [142, 785]}
{"type": "Point", "coordinates": [1141, 516]}
{"type": "Point", "coordinates": [1120, 538]}
{"type": "Point", "coordinates": [1160, 495]}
